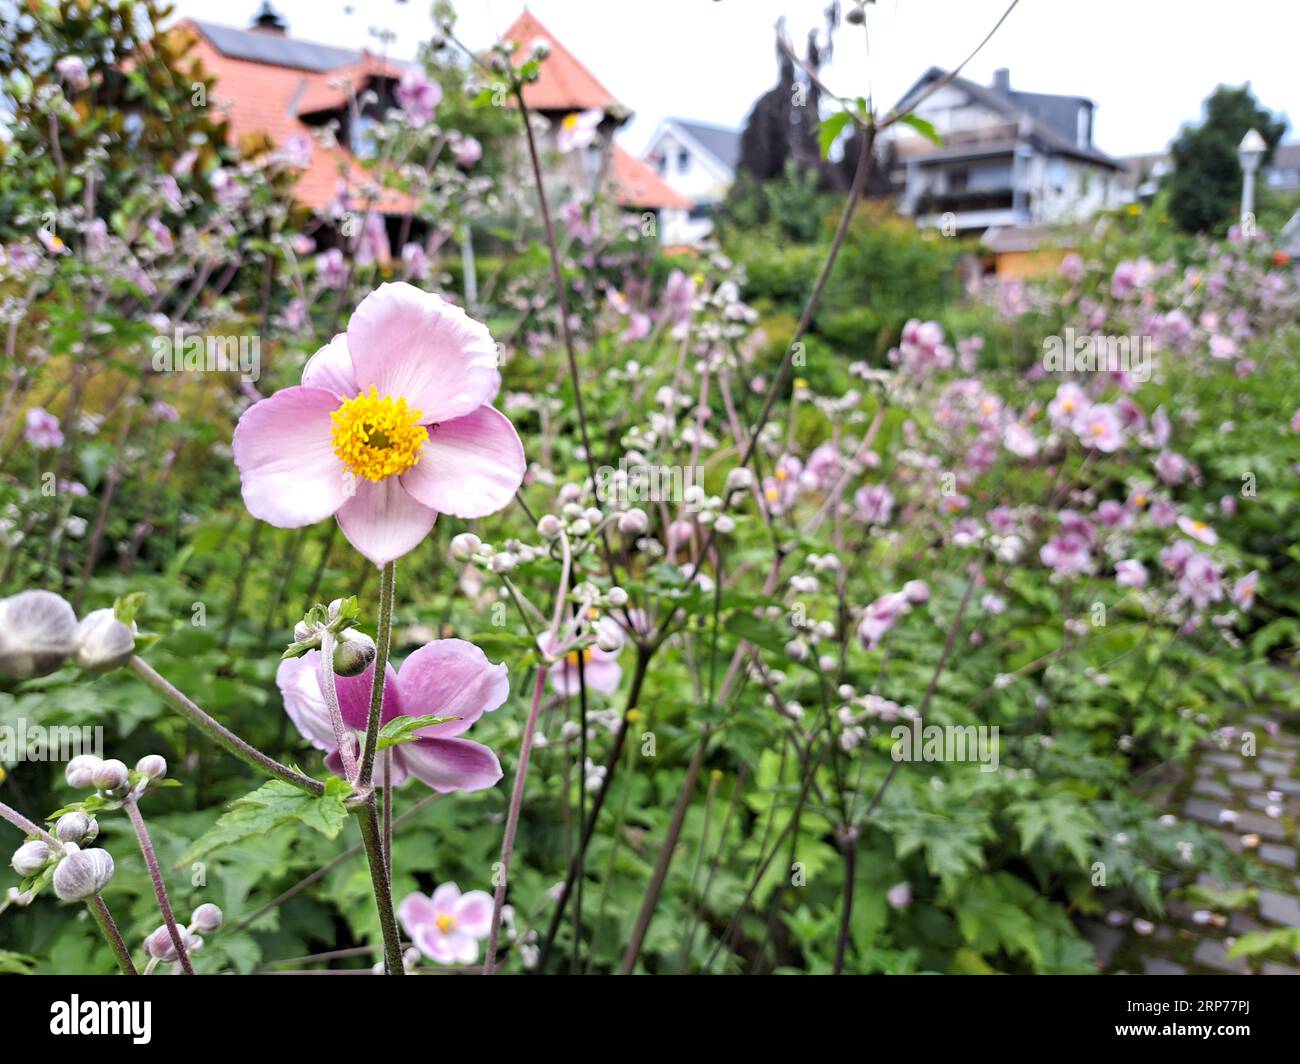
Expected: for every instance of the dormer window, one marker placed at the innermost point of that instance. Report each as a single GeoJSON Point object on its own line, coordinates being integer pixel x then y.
{"type": "Point", "coordinates": [683, 161]}
{"type": "Point", "coordinates": [1083, 137]}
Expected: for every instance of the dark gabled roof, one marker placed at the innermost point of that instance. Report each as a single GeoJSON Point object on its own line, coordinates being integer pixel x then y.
{"type": "Point", "coordinates": [271, 48]}
{"type": "Point", "coordinates": [1021, 107]}
{"type": "Point", "coordinates": [722, 143]}
{"type": "Point", "coordinates": [1059, 113]}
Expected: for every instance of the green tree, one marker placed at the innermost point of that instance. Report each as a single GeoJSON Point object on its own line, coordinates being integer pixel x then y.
{"type": "Point", "coordinates": [1205, 185]}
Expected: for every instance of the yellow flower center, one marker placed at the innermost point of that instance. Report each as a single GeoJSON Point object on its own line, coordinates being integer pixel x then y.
{"type": "Point", "coordinates": [446, 923]}
{"type": "Point", "coordinates": [772, 494]}
{"type": "Point", "coordinates": [1139, 500]}
{"type": "Point", "coordinates": [377, 437]}
{"type": "Point", "coordinates": [571, 121]}
{"type": "Point", "coordinates": [1200, 526]}
{"type": "Point", "coordinates": [572, 658]}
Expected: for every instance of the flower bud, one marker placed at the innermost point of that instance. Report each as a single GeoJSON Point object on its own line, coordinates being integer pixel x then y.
{"type": "Point", "coordinates": [30, 858]}
{"type": "Point", "coordinates": [617, 597]}
{"type": "Point", "coordinates": [207, 918]}
{"type": "Point", "coordinates": [580, 527]}
{"type": "Point", "coordinates": [353, 653]}
{"type": "Point", "coordinates": [549, 526]}
{"type": "Point", "coordinates": [82, 873]}
{"type": "Point", "coordinates": [152, 765]}
{"type": "Point", "coordinates": [103, 642]}
{"type": "Point", "coordinates": [502, 562]}
{"type": "Point", "coordinates": [634, 522]}
{"type": "Point", "coordinates": [110, 775]}
{"type": "Point", "coordinates": [610, 640]}
{"type": "Point", "coordinates": [80, 772]}
{"type": "Point", "coordinates": [739, 479]}
{"type": "Point", "coordinates": [159, 945]}
{"type": "Point", "coordinates": [74, 827]}
{"type": "Point", "coordinates": [464, 546]}
{"type": "Point", "coordinates": [37, 633]}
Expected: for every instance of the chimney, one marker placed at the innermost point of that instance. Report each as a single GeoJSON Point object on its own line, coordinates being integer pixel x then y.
{"type": "Point", "coordinates": [1002, 80]}
{"type": "Point", "coordinates": [268, 20]}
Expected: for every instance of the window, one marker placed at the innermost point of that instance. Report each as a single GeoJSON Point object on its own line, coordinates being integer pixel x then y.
{"type": "Point", "coordinates": [363, 139]}
{"type": "Point", "coordinates": [683, 160]}
{"type": "Point", "coordinates": [958, 180]}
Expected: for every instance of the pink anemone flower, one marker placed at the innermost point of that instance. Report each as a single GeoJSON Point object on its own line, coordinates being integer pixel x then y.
{"type": "Point", "coordinates": [445, 678]}
{"type": "Point", "coordinates": [448, 926]}
{"type": "Point", "coordinates": [390, 426]}
{"type": "Point", "coordinates": [600, 668]}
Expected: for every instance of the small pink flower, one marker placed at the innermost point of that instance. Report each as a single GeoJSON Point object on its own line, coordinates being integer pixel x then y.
{"type": "Point", "coordinates": [1243, 591]}
{"type": "Point", "coordinates": [874, 504]}
{"type": "Point", "coordinates": [1100, 426]}
{"type": "Point", "coordinates": [1171, 467]}
{"type": "Point", "coordinates": [331, 269]}
{"type": "Point", "coordinates": [418, 96]}
{"type": "Point", "coordinates": [448, 926]}
{"type": "Point", "coordinates": [1072, 267]}
{"type": "Point", "coordinates": [578, 130]}
{"type": "Point", "coordinates": [1017, 439]}
{"type": "Point", "coordinates": [1069, 404]}
{"type": "Point", "coordinates": [899, 895]}
{"type": "Point", "coordinates": [444, 678]}
{"type": "Point", "coordinates": [1130, 573]}
{"type": "Point", "coordinates": [72, 69]}
{"type": "Point", "coordinates": [600, 669]}
{"type": "Point", "coordinates": [1198, 530]}
{"type": "Point", "coordinates": [392, 423]}
{"type": "Point", "coordinates": [468, 152]}
{"type": "Point", "coordinates": [1200, 581]}
{"type": "Point", "coordinates": [42, 430]}
{"type": "Point", "coordinates": [1066, 554]}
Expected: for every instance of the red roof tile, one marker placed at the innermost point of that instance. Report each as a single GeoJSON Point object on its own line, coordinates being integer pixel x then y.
{"type": "Point", "coordinates": [639, 186]}
{"type": "Point", "coordinates": [564, 84]}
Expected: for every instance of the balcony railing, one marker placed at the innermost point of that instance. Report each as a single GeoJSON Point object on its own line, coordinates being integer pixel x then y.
{"type": "Point", "coordinates": [995, 199]}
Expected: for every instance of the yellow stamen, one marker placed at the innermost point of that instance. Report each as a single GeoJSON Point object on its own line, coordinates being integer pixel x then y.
{"type": "Point", "coordinates": [572, 658]}
{"type": "Point", "coordinates": [377, 437]}
{"type": "Point", "coordinates": [446, 923]}
{"type": "Point", "coordinates": [571, 121]}
{"type": "Point", "coordinates": [772, 494]}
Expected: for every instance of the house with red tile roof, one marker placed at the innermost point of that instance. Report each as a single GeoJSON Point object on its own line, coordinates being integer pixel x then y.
{"type": "Point", "coordinates": [271, 84]}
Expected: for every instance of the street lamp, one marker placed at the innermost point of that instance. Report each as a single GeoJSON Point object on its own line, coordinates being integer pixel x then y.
{"type": "Point", "coordinates": [1249, 152]}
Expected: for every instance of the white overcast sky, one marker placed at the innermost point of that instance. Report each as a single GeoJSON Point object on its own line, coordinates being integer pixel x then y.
{"type": "Point", "coordinates": [1148, 64]}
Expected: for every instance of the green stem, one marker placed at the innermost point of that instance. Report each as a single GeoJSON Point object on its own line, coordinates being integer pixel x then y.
{"type": "Point", "coordinates": [368, 818]}
{"type": "Point", "coordinates": [383, 641]}
{"type": "Point", "coordinates": [111, 934]}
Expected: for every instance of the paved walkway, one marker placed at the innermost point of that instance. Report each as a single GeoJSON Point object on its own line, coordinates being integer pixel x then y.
{"type": "Point", "coordinates": [1254, 805]}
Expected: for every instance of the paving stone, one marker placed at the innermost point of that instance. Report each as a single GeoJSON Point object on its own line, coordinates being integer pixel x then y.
{"type": "Point", "coordinates": [1292, 741]}
{"type": "Point", "coordinates": [1212, 954]}
{"type": "Point", "coordinates": [1258, 801]}
{"type": "Point", "coordinates": [1212, 789]}
{"type": "Point", "coordinates": [1232, 761]}
{"type": "Point", "coordinates": [1257, 824]}
{"type": "Point", "coordinates": [1160, 966]}
{"type": "Point", "coordinates": [1205, 812]}
{"type": "Point", "coordinates": [1286, 786]}
{"type": "Point", "coordinates": [1273, 968]}
{"type": "Point", "coordinates": [1246, 780]}
{"type": "Point", "coordinates": [1273, 768]}
{"type": "Point", "coordinates": [1279, 908]}
{"type": "Point", "coordinates": [1243, 924]}
{"type": "Point", "coordinates": [1277, 855]}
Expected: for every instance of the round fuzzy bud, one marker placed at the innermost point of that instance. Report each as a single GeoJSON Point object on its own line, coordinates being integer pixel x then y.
{"type": "Point", "coordinates": [110, 775]}
{"type": "Point", "coordinates": [207, 918]}
{"type": "Point", "coordinates": [797, 650]}
{"type": "Point", "coordinates": [302, 632]}
{"type": "Point", "coordinates": [725, 525]}
{"type": "Point", "coordinates": [103, 642]}
{"type": "Point", "coordinates": [152, 765]}
{"type": "Point", "coordinates": [593, 515]}
{"type": "Point", "coordinates": [739, 479]}
{"type": "Point", "coordinates": [617, 597]}
{"type": "Point", "coordinates": [73, 827]}
{"type": "Point", "coordinates": [159, 944]}
{"type": "Point", "coordinates": [30, 858]}
{"type": "Point", "coordinates": [464, 546]}
{"type": "Point", "coordinates": [580, 527]}
{"type": "Point", "coordinates": [610, 640]}
{"type": "Point", "coordinates": [82, 873]}
{"type": "Point", "coordinates": [634, 522]}
{"type": "Point", "coordinates": [37, 633]}
{"type": "Point", "coordinates": [502, 562]}
{"type": "Point", "coordinates": [354, 653]}
{"type": "Point", "coordinates": [80, 772]}
{"type": "Point", "coordinates": [917, 591]}
{"type": "Point", "coordinates": [549, 526]}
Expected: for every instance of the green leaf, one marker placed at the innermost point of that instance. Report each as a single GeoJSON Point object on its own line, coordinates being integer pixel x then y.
{"type": "Point", "coordinates": [270, 806]}
{"type": "Point", "coordinates": [1065, 822]}
{"type": "Point", "coordinates": [403, 730]}
{"type": "Point", "coordinates": [926, 129]}
{"type": "Point", "coordinates": [830, 129]}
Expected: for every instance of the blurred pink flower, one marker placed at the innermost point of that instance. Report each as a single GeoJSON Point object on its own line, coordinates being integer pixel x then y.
{"type": "Point", "coordinates": [448, 926]}
{"type": "Point", "coordinates": [41, 429]}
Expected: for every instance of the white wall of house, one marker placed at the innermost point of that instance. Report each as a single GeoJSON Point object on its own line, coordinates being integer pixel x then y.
{"type": "Point", "coordinates": [694, 173]}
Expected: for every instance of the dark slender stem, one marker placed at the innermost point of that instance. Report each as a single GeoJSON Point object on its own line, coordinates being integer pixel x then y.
{"type": "Point", "coordinates": [221, 734]}
{"type": "Point", "coordinates": [159, 888]}
{"type": "Point", "coordinates": [849, 848]}
{"type": "Point", "coordinates": [111, 934]}
{"type": "Point", "coordinates": [368, 818]}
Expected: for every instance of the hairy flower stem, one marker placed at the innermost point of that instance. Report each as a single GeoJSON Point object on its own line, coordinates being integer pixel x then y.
{"type": "Point", "coordinates": [159, 888]}
{"type": "Point", "coordinates": [111, 934]}
{"type": "Point", "coordinates": [383, 643]}
{"type": "Point", "coordinates": [512, 820]}
{"type": "Point", "coordinates": [221, 734]}
{"type": "Point", "coordinates": [368, 818]}
{"type": "Point", "coordinates": [329, 688]}
{"type": "Point", "coordinates": [27, 827]}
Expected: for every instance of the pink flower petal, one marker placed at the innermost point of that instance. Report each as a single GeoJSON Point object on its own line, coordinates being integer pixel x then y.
{"type": "Point", "coordinates": [471, 467]}
{"type": "Point", "coordinates": [452, 764]}
{"type": "Point", "coordinates": [331, 368]}
{"type": "Point", "coordinates": [415, 911]}
{"type": "Point", "coordinates": [474, 913]}
{"type": "Point", "coordinates": [444, 899]}
{"type": "Point", "coordinates": [282, 446]}
{"type": "Point", "coordinates": [354, 696]}
{"type": "Point", "coordinates": [383, 522]}
{"type": "Point", "coordinates": [465, 947]}
{"type": "Point", "coordinates": [413, 345]}
{"type": "Point", "coordinates": [303, 700]}
{"type": "Point", "coordinates": [451, 678]}
{"type": "Point", "coordinates": [434, 945]}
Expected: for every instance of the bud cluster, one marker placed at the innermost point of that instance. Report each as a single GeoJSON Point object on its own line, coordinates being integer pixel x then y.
{"type": "Point", "coordinates": [39, 633]}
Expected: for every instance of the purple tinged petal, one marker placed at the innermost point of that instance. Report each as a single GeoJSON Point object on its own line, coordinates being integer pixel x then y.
{"type": "Point", "coordinates": [473, 913]}
{"type": "Point", "coordinates": [413, 345]}
{"type": "Point", "coordinates": [451, 678]}
{"type": "Point", "coordinates": [449, 765]}
{"type": "Point", "coordinates": [285, 455]}
{"type": "Point", "coordinates": [383, 521]}
{"type": "Point", "coordinates": [299, 685]}
{"type": "Point", "coordinates": [471, 467]}
{"type": "Point", "coordinates": [354, 697]}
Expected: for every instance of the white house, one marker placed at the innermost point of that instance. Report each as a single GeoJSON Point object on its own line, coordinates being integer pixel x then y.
{"type": "Point", "coordinates": [699, 162]}
{"type": "Point", "coordinates": [1008, 159]}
